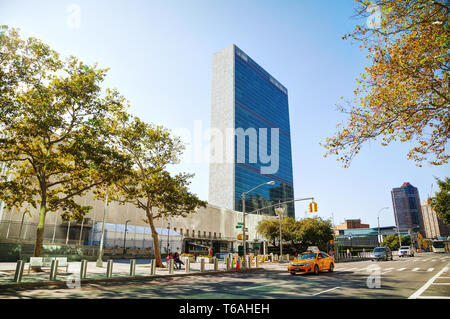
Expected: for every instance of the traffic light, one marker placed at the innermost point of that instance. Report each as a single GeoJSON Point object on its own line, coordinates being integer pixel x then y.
{"type": "Point", "coordinates": [310, 207]}
{"type": "Point", "coordinates": [315, 206]}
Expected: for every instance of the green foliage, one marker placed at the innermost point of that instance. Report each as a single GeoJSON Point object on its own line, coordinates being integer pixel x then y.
{"type": "Point", "coordinates": [148, 185]}
{"type": "Point", "coordinates": [315, 232]}
{"type": "Point", "coordinates": [56, 124]}
{"type": "Point", "coordinates": [303, 233]}
{"type": "Point", "coordinates": [393, 243]}
{"type": "Point", "coordinates": [404, 94]}
{"type": "Point", "coordinates": [441, 201]}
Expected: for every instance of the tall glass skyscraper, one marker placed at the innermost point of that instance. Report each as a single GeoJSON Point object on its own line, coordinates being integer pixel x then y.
{"type": "Point", "coordinates": [407, 208]}
{"type": "Point", "coordinates": [250, 135]}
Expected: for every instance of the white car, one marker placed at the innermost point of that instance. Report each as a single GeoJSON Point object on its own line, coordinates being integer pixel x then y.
{"type": "Point", "coordinates": [406, 251]}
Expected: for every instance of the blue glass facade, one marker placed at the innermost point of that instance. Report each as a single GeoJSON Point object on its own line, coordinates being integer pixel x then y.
{"type": "Point", "coordinates": [261, 102]}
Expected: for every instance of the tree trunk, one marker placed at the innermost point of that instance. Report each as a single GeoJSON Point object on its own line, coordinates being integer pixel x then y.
{"type": "Point", "coordinates": [40, 235]}
{"type": "Point", "coordinates": [155, 239]}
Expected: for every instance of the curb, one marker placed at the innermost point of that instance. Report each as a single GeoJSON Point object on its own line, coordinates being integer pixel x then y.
{"type": "Point", "coordinates": [347, 261]}
{"type": "Point", "coordinates": [120, 279]}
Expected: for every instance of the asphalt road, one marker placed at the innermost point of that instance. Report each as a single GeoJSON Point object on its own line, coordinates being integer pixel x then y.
{"type": "Point", "coordinates": [424, 276]}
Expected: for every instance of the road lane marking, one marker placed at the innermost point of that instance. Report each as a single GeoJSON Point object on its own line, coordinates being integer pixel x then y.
{"type": "Point", "coordinates": [433, 297]}
{"type": "Point", "coordinates": [248, 288]}
{"type": "Point", "coordinates": [322, 292]}
{"type": "Point", "coordinates": [441, 283]}
{"type": "Point", "coordinates": [401, 269]}
{"type": "Point", "coordinates": [430, 269]}
{"type": "Point", "coordinates": [415, 269]}
{"type": "Point", "coordinates": [428, 283]}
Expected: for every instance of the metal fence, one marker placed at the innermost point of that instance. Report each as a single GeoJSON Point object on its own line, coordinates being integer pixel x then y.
{"type": "Point", "coordinates": [88, 234]}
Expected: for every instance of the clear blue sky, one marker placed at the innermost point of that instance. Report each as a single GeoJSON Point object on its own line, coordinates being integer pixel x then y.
{"type": "Point", "coordinates": [160, 55]}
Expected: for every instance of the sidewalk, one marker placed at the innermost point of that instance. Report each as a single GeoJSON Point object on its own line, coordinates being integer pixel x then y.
{"type": "Point", "coordinates": [121, 270]}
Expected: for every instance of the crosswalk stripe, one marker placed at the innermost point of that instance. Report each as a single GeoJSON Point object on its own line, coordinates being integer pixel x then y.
{"type": "Point", "coordinates": [401, 269]}
{"type": "Point", "coordinates": [430, 269]}
{"type": "Point", "coordinates": [415, 269]}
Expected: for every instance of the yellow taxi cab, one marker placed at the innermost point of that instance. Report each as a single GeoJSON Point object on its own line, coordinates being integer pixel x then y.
{"type": "Point", "coordinates": [311, 261]}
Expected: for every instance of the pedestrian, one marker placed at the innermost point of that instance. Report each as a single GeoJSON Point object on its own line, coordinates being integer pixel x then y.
{"type": "Point", "coordinates": [168, 258]}
{"type": "Point", "coordinates": [177, 261]}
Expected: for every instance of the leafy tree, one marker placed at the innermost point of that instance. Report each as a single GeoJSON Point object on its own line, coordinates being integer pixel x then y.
{"type": "Point", "coordinates": [393, 243]}
{"type": "Point", "coordinates": [404, 94]}
{"type": "Point", "coordinates": [302, 233]}
{"type": "Point", "coordinates": [148, 185]}
{"type": "Point", "coordinates": [315, 232]}
{"type": "Point", "coordinates": [270, 229]}
{"type": "Point", "coordinates": [54, 134]}
{"type": "Point", "coordinates": [441, 201]}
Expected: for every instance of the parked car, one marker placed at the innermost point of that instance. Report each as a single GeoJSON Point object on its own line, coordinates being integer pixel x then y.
{"type": "Point", "coordinates": [382, 253]}
{"type": "Point", "coordinates": [311, 262]}
{"type": "Point", "coordinates": [406, 251]}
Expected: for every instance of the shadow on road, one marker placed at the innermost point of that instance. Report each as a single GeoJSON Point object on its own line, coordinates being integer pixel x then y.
{"type": "Point", "coordinates": [268, 283]}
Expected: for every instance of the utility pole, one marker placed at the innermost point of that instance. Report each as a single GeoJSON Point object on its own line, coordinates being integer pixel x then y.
{"type": "Point", "coordinates": [100, 252]}
{"type": "Point", "coordinates": [334, 235]}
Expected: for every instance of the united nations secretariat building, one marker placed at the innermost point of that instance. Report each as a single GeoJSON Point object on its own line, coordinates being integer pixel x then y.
{"type": "Point", "coordinates": [245, 98]}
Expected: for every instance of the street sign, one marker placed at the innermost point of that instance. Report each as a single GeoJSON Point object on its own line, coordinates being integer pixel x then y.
{"type": "Point", "coordinates": [239, 226]}
{"type": "Point", "coordinates": [246, 229]}
{"type": "Point", "coordinates": [350, 236]}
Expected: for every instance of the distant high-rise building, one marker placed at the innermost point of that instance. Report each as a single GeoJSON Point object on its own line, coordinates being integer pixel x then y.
{"type": "Point", "coordinates": [433, 225]}
{"type": "Point", "coordinates": [407, 209]}
{"type": "Point", "coordinates": [250, 135]}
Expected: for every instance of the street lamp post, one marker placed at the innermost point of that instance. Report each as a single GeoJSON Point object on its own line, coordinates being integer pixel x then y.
{"type": "Point", "coordinates": [125, 237]}
{"type": "Point", "coordinates": [100, 252]}
{"type": "Point", "coordinates": [279, 211]}
{"type": "Point", "coordinates": [398, 225]}
{"type": "Point", "coordinates": [243, 213]}
{"type": "Point", "coordinates": [378, 217]}
{"type": "Point", "coordinates": [168, 237]}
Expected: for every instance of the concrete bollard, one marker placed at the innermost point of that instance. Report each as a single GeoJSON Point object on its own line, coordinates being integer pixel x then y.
{"type": "Point", "coordinates": [53, 270]}
{"type": "Point", "coordinates": [202, 265]}
{"type": "Point", "coordinates": [109, 268]}
{"type": "Point", "coordinates": [170, 266]}
{"type": "Point", "coordinates": [83, 269]}
{"type": "Point", "coordinates": [256, 262]}
{"type": "Point", "coordinates": [271, 257]}
{"type": "Point", "coordinates": [19, 271]}
{"type": "Point", "coordinates": [249, 262]}
{"type": "Point", "coordinates": [133, 268]}
{"type": "Point", "coordinates": [216, 264]}
{"type": "Point", "coordinates": [287, 257]}
{"type": "Point", "coordinates": [188, 265]}
{"type": "Point", "coordinates": [152, 267]}
{"type": "Point", "coordinates": [228, 263]}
